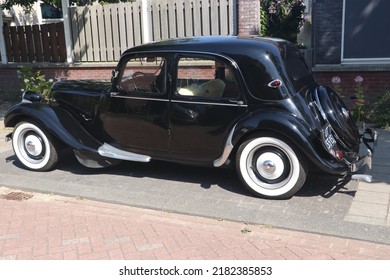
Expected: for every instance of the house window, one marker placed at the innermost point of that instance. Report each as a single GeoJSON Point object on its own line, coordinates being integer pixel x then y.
{"type": "Point", "coordinates": [366, 34]}
{"type": "Point", "coordinates": [50, 12]}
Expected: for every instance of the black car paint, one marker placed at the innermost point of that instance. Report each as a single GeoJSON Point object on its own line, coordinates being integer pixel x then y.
{"type": "Point", "coordinates": [85, 115]}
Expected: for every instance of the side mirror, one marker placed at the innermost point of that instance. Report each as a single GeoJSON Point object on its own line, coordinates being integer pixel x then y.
{"type": "Point", "coordinates": [114, 75]}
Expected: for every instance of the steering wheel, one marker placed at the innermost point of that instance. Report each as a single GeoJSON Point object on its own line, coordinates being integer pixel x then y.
{"type": "Point", "coordinates": [136, 75]}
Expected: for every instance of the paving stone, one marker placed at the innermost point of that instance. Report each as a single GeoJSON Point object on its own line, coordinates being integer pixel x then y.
{"type": "Point", "coordinates": [163, 235]}
{"type": "Point", "coordinates": [366, 220]}
{"type": "Point", "coordinates": [365, 209]}
{"type": "Point", "coordinates": [375, 187]}
{"type": "Point", "coordinates": [372, 197]}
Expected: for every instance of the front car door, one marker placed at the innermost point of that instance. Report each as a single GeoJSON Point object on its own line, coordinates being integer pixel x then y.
{"type": "Point", "coordinates": [137, 117]}
{"type": "Point", "coordinates": [206, 103]}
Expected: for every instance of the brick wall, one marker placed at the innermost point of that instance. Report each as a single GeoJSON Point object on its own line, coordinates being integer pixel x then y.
{"type": "Point", "coordinates": [374, 83]}
{"type": "Point", "coordinates": [248, 17]}
{"type": "Point", "coordinates": [327, 26]}
{"type": "Point", "coordinates": [10, 85]}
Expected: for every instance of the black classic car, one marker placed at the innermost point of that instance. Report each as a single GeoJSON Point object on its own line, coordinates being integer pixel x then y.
{"type": "Point", "coordinates": [251, 103]}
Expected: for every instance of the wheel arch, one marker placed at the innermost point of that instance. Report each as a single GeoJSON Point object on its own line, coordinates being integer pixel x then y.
{"type": "Point", "coordinates": [290, 128]}
{"type": "Point", "coordinates": [59, 123]}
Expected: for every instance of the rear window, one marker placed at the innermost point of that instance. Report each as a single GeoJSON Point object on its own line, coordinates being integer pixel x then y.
{"type": "Point", "coordinates": [298, 71]}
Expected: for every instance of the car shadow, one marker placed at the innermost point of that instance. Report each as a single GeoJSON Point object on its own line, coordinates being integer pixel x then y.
{"type": "Point", "coordinates": [226, 178]}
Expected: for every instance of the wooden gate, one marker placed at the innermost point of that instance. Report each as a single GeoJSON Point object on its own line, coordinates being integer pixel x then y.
{"type": "Point", "coordinates": [40, 43]}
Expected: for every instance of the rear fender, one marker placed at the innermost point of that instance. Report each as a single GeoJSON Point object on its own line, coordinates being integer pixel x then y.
{"type": "Point", "coordinates": [291, 128]}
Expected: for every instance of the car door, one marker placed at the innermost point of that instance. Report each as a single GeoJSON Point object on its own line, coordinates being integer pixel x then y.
{"type": "Point", "coordinates": [206, 103]}
{"type": "Point", "coordinates": [137, 117]}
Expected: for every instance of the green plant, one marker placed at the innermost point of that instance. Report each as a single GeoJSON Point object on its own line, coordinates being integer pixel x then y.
{"type": "Point", "coordinates": [379, 112]}
{"type": "Point", "coordinates": [34, 80]}
{"type": "Point", "coordinates": [358, 110]}
{"type": "Point", "coordinates": [282, 18]}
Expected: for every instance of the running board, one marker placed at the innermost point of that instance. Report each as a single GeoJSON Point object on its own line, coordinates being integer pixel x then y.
{"type": "Point", "coordinates": [362, 177]}
{"type": "Point", "coordinates": [109, 151]}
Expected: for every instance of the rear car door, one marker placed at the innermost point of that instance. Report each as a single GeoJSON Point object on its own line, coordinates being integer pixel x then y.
{"type": "Point", "coordinates": [206, 103]}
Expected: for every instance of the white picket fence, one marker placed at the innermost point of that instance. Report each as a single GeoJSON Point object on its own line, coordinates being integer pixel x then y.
{"type": "Point", "coordinates": [101, 33]}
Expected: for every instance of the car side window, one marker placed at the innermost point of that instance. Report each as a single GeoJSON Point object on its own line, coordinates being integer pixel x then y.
{"type": "Point", "coordinates": [206, 78]}
{"type": "Point", "coordinates": [143, 75]}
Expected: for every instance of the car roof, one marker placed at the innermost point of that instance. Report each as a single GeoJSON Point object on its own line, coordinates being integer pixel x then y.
{"type": "Point", "coordinates": [228, 45]}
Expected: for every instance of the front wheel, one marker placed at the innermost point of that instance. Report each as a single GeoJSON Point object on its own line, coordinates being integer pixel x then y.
{"type": "Point", "coordinates": [34, 147]}
{"type": "Point", "coordinates": [269, 167]}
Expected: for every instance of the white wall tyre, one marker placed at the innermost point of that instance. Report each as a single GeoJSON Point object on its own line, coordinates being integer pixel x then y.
{"type": "Point", "coordinates": [33, 147]}
{"type": "Point", "coordinates": [270, 168]}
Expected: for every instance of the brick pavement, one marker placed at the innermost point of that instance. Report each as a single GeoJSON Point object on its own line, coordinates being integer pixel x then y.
{"type": "Point", "coordinates": [42, 226]}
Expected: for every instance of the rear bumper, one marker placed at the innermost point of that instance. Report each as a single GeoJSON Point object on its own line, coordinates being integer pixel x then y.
{"type": "Point", "coordinates": [369, 138]}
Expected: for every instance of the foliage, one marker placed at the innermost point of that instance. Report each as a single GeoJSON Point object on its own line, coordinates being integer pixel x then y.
{"type": "Point", "coordinates": [358, 110]}
{"type": "Point", "coordinates": [379, 112]}
{"type": "Point", "coordinates": [34, 80]}
{"type": "Point", "coordinates": [282, 18]}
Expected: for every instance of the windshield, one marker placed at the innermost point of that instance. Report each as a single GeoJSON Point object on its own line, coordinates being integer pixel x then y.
{"type": "Point", "coordinates": [298, 71]}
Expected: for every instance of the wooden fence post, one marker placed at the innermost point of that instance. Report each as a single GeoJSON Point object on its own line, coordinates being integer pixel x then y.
{"type": "Point", "coordinates": [2, 42]}
{"type": "Point", "coordinates": [67, 31]}
{"type": "Point", "coordinates": [145, 21]}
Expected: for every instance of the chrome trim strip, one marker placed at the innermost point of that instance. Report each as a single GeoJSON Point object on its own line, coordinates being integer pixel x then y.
{"type": "Point", "coordinates": [209, 103]}
{"type": "Point", "coordinates": [181, 101]}
{"type": "Point", "coordinates": [226, 151]}
{"type": "Point", "coordinates": [140, 98]}
{"type": "Point", "coordinates": [106, 150]}
{"type": "Point", "coordinates": [318, 103]}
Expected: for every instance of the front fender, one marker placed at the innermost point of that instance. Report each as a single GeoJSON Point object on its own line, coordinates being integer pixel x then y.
{"type": "Point", "coordinates": [60, 123]}
{"type": "Point", "coordinates": [305, 138]}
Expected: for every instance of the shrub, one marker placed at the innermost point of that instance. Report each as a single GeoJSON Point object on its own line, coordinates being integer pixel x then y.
{"type": "Point", "coordinates": [379, 112]}
{"type": "Point", "coordinates": [34, 80]}
{"type": "Point", "coordinates": [282, 18]}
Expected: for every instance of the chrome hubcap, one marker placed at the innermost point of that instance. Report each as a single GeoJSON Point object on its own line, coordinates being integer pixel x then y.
{"type": "Point", "coordinates": [33, 145]}
{"type": "Point", "coordinates": [270, 166]}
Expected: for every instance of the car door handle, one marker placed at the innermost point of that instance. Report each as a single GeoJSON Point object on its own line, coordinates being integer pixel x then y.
{"type": "Point", "coordinates": [238, 102]}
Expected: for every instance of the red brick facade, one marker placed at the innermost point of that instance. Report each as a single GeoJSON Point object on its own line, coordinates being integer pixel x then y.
{"type": "Point", "coordinates": [375, 83]}
{"type": "Point", "coordinates": [248, 17]}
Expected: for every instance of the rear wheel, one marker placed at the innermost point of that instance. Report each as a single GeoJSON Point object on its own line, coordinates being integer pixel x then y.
{"type": "Point", "coordinates": [269, 167]}
{"type": "Point", "coordinates": [34, 147]}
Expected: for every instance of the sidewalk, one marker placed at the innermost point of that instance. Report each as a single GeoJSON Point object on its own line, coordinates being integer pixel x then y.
{"type": "Point", "coordinates": [40, 226]}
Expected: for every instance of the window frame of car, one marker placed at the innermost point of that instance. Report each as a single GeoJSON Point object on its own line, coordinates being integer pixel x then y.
{"type": "Point", "coordinates": [121, 67]}
{"type": "Point", "coordinates": [240, 98]}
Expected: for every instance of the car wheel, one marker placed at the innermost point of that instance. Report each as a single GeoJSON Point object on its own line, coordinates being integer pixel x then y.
{"type": "Point", "coordinates": [34, 147]}
{"type": "Point", "coordinates": [269, 167]}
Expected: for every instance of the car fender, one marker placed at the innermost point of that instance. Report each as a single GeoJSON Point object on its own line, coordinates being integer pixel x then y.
{"type": "Point", "coordinates": [292, 128]}
{"type": "Point", "coordinates": [60, 123]}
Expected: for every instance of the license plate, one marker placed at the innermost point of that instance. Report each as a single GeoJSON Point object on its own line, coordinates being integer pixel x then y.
{"type": "Point", "coordinates": [328, 138]}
